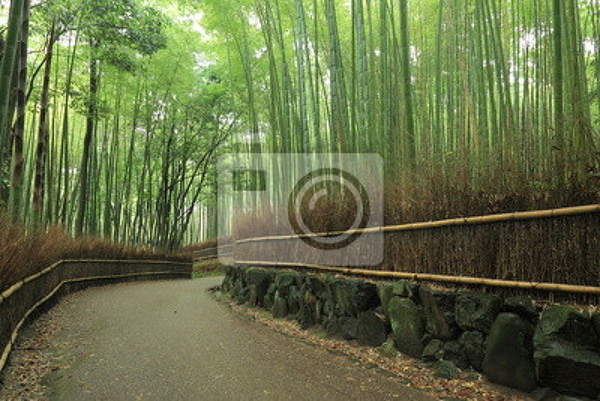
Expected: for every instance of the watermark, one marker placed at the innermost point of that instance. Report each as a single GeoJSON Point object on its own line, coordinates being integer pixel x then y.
{"type": "Point", "coordinates": [302, 208]}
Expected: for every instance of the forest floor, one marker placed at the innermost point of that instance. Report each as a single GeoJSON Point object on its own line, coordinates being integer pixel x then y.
{"type": "Point", "coordinates": [173, 340]}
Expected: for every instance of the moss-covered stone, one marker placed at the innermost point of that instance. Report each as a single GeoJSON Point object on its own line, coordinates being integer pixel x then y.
{"type": "Point", "coordinates": [233, 281]}
{"type": "Point", "coordinates": [328, 291]}
{"type": "Point", "coordinates": [544, 394]}
{"type": "Point", "coordinates": [285, 280]}
{"type": "Point", "coordinates": [315, 284]}
{"type": "Point", "coordinates": [509, 353]}
{"type": "Point", "coordinates": [327, 311]}
{"type": "Point", "coordinates": [522, 306]}
{"type": "Point", "coordinates": [270, 296]}
{"type": "Point", "coordinates": [568, 398]}
{"type": "Point", "coordinates": [372, 329]}
{"type": "Point", "coordinates": [405, 288]}
{"type": "Point", "coordinates": [388, 348]}
{"type": "Point", "coordinates": [280, 307]}
{"type": "Point", "coordinates": [566, 352]}
{"type": "Point", "coordinates": [476, 311]}
{"type": "Point", "coordinates": [309, 297]}
{"type": "Point", "coordinates": [333, 326]}
{"type": "Point", "coordinates": [385, 292]}
{"type": "Point", "coordinates": [473, 344]}
{"type": "Point", "coordinates": [258, 281]}
{"type": "Point", "coordinates": [401, 288]}
{"type": "Point", "coordinates": [446, 370]}
{"type": "Point", "coordinates": [569, 324]}
{"type": "Point", "coordinates": [349, 328]}
{"type": "Point", "coordinates": [259, 276]}
{"type": "Point", "coordinates": [240, 292]}
{"type": "Point", "coordinates": [307, 316]}
{"type": "Point", "coordinates": [596, 322]}
{"type": "Point", "coordinates": [455, 353]}
{"type": "Point", "coordinates": [227, 282]}
{"type": "Point", "coordinates": [252, 295]}
{"type": "Point", "coordinates": [295, 298]}
{"type": "Point", "coordinates": [355, 296]}
{"type": "Point", "coordinates": [439, 313]}
{"type": "Point", "coordinates": [433, 351]}
{"type": "Point", "coordinates": [407, 326]}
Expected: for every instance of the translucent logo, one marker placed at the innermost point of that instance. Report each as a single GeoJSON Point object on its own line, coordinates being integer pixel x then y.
{"type": "Point", "coordinates": [302, 208]}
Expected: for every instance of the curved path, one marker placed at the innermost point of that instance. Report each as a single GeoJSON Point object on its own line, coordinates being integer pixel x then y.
{"type": "Point", "coordinates": [172, 341]}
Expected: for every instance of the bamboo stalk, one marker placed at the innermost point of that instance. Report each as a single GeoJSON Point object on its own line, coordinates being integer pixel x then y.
{"type": "Point", "coordinates": [477, 220]}
{"type": "Point", "coordinates": [551, 287]}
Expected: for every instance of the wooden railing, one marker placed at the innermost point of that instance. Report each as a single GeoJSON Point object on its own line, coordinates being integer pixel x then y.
{"type": "Point", "coordinates": [555, 224]}
{"type": "Point", "coordinates": [463, 221]}
{"type": "Point", "coordinates": [19, 302]}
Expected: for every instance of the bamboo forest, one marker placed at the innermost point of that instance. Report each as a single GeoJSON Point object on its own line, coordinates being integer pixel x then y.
{"type": "Point", "coordinates": [411, 188]}
{"type": "Point", "coordinates": [112, 113]}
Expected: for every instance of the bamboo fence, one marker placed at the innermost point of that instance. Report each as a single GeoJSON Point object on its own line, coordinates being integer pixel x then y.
{"type": "Point", "coordinates": [19, 302]}
{"type": "Point", "coordinates": [464, 221]}
{"type": "Point", "coordinates": [425, 227]}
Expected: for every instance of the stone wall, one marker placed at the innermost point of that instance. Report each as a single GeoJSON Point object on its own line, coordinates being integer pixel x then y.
{"type": "Point", "coordinates": [512, 341]}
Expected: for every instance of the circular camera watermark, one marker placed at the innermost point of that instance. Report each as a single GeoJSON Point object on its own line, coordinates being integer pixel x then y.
{"type": "Point", "coordinates": [327, 185]}
{"type": "Point", "coordinates": [306, 208]}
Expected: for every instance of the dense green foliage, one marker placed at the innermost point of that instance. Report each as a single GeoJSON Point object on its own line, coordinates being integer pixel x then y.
{"type": "Point", "coordinates": [116, 110]}
{"type": "Point", "coordinates": [476, 105]}
{"type": "Point", "coordinates": [113, 125]}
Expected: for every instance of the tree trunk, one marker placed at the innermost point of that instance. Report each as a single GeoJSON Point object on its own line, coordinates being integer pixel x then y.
{"type": "Point", "coordinates": [6, 78]}
{"type": "Point", "coordinates": [558, 93]}
{"type": "Point", "coordinates": [66, 188]}
{"type": "Point", "coordinates": [43, 134]}
{"type": "Point", "coordinates": [410, 150]}
{"type": "Point", "coordinates": [18, 161]}
{"type": "Point", "coordinates": [87, 143]}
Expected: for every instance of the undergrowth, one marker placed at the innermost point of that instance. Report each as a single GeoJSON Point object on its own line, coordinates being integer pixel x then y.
{"type": "Point", "coordinates": [419, 199]}
{"type": "Point", "coordinates": [557, 250]}
{"type": "Point", "coordinates": [24, 253]}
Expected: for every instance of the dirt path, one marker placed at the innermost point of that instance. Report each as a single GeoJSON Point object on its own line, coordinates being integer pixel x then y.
{"type": "Point", "coordinates": [172, 341]}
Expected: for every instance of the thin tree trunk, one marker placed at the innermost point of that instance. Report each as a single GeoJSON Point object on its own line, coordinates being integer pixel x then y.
{"type": "Point", "coordinates": [18, 161]}
{"type": "Point", "coordinates": [43, 135]}
{"type": "Point", "coordinates": [410, 148]}
{"type": "Point", "coordinates": [87, 143]}
{"type": "Point", "coordinates": [559, 123]}
{"type": "Point", "coordinates": [7, 66]}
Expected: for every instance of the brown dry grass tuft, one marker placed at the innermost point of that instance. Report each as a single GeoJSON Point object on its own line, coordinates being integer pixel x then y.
{"type": "Point", "coordinates": [421, 199]}
{"type": "Point", "coordinates": [24, 253]}
{"type": "Point", "coordinates": [211, 243]}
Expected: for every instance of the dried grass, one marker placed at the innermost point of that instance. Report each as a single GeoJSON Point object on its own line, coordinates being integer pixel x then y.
{"type": "Point", "coordinates": [24, 253]}
{"type": "Point", "coordinates": [211, 243]}
{"type": "Point", "coordinates": [556, 250]}
{"type": "Point", "coordinates": [421, 199]}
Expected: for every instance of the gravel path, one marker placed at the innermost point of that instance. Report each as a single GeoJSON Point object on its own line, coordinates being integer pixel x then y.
{"type": "Point", "coordinates": [172, 341]}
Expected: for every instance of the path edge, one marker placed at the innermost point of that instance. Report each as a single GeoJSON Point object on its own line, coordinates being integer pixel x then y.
{"type": "Point", "coordinates": [24, 301]}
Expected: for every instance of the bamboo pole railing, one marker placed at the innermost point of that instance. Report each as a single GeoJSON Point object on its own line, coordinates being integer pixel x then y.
{"type": "Point", "coordinates": [14, 289]}
{"type": "Point", "coordinates": [214, 248]}
{"type": "Point", "coordinates": [466, 221]}
{"type": "Point", "coordinates": [463, 221]}
{"type": "Point", "coordinates": [212, 257]}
